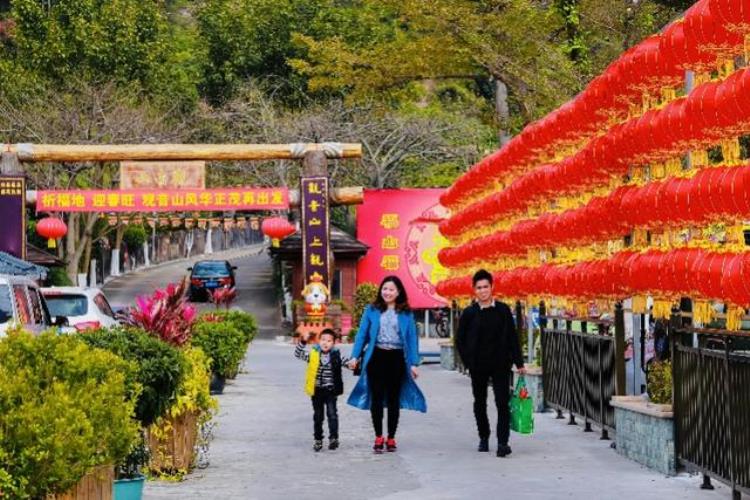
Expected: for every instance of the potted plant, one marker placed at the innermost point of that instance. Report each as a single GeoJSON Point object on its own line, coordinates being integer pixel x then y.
{"type": "Point", "coordinates": [225, 345]}
{"type": "Point", "coordinates": [161, 368]}
{"type": "Point", "coordinates": [66, 411]}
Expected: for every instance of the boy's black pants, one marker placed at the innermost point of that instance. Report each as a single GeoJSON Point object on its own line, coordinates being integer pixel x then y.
{"type": "Point", "coordinates": [501, 387]}
{"type": "Point", "coordinates": [324, 405]}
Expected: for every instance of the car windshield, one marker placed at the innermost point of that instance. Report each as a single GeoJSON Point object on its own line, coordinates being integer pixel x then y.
{"type": "Point", "coordinates": [210, 268]}
{"type": "Point", "coordinates": [6, 306]}
{"type": "Point", "coordinates": [67, 304]}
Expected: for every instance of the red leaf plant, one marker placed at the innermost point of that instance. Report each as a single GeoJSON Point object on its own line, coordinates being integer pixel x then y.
{"type": "Point", "coordinates": [223, 297]}
{"type": "Point", "coordinates": [166, 314]}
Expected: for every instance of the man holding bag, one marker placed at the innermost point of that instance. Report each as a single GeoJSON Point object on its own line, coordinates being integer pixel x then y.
{"type": "Point", "coordinates": [488, 345]}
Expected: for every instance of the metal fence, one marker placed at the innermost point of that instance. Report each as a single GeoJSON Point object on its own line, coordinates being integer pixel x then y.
{"type": "Point", "coordinates": [711, 372]}
{"type": "Point", "coordinates": [579, 373]}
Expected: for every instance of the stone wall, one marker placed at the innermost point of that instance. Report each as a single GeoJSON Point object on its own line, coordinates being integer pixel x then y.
{"type": "Point", "coordinates": [645, 434]}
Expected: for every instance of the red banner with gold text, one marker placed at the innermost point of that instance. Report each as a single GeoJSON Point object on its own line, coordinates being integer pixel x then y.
{"type": "Point", "coordinates": [163, 200]}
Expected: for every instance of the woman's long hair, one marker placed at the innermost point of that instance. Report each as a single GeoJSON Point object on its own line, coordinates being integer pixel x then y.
{"type": "Point", "coordinates": [402, 301]}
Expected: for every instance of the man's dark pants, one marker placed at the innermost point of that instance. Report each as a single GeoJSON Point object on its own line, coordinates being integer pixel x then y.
{"type": "Point", "coordinates": [501, 387]}
{"type": "Point", "coordinates": [324, 406]}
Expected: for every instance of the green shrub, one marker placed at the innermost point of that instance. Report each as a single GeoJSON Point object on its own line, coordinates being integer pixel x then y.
{"type": "Point", "coordinates": [364, 295]}
{"type": "Point", "coordinates": [160, 367]}
{"type": "Point", "coordinates": [64, 408]}
{"type": "Point", "coordinates": [660, 382]}
{"type": "Point", "coordinates": [241, 320]}
{"type": "Point", "coordinates": [58, 276]}
{"type": "Point", "coordinates": [223, 343]}
{"type": "Point", "coordinates": [134, 237]}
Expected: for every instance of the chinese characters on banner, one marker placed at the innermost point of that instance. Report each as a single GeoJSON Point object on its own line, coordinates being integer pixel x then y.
{"type": "Point", "coordinates": [163, 174]}
{"type": "Point", "coordinates": [400, 227]}
{"type": "Point", "coordinates": [163, 200]}
{"type": "Point", "coordinates": [13, 210]}
{"type": "Point", "coordinates": [314, 199]}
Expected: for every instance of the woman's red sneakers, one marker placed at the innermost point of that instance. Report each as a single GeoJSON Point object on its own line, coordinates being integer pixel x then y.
{"type": "Point", "coordinates": [379, 444]}
{"type": "Point", "coordinates": [390, 444]}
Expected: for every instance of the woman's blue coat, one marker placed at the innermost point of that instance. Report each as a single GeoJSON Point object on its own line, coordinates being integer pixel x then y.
{"type": "Point", "coordinates": [369, 326]}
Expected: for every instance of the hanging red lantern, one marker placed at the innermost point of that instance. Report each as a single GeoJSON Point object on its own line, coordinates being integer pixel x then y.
{"type": "Point", "coordinates": [51, 228]}
{"type": "Point", "coordinates": [277, 228]}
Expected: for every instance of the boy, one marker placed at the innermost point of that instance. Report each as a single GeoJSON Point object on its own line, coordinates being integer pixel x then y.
{"type": "Point", "coordinates": [323, 383]}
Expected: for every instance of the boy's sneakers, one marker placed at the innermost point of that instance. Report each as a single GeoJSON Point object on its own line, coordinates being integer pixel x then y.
{"type": "Point", "coordinates": [379, 444]}
{"type": "Point", "coordinates": [318, 444]}
{"type": "Point", "coordinates": [390, 444]}
{"type": "Point", "coordinates": [333, 444]}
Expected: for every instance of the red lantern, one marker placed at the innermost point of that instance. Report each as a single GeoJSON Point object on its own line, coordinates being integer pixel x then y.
{"type": "Point", "coordinates": [277, 228]}
{"type": "Point", "coordinates": [51, 228]}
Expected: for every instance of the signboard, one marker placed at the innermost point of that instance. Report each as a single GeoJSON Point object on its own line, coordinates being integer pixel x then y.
{"type": "Point", "coordinates": [163, 174]}
{"type": "Point", "coordinates": [400, 226]}
{"type": "Point", "coordinates": [13, 210]}
{"type": "Point", "coordinates": [316, 231]}
{"type": "Point", "coordinates": [163, 200]}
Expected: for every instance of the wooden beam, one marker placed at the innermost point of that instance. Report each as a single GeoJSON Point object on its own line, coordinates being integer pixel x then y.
{"type": "Point", "coordinates": [338, 196]}
{"type": "Point", "coordinates": [207, 152]}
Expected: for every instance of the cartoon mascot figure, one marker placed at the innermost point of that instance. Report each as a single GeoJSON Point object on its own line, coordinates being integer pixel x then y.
{"type": "Point", "coordinates": [316, 295]}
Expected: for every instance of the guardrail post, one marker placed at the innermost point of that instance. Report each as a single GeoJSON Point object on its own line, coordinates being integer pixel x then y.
{"type": "Point", "coordinates": [570, 341]}
{"type": "Point", "coordinates": [620, 389]}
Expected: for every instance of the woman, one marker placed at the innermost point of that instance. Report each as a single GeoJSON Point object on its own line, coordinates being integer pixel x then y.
{"type": "Point", "coordinates": [387, 342]}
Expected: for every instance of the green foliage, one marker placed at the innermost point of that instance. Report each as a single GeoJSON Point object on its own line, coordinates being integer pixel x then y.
{"type": "Point", "coordinates": [364, 295]}
{"type": "Point", "coordinates": [64, 409]}
{"type": "Point", "coordinates": [57, 276]}
{"type": "Point", "coordinates": [134, 236]}
{"type": "Point", "coordinates": [241, 320]}
{"type": "Point", "coordinates": [223, 343]}
{"type": "Point", "coordinates": [660, 382]}
{"type": "Point", "coordinates": [160, 367]}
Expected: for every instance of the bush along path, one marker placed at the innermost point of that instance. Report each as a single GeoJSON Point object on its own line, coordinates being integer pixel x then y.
{"type": "Point", "coordinates": [101, 411]}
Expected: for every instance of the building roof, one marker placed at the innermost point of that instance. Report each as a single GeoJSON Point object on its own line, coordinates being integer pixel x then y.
{"type": "Point", "coordinates": [17, 267]}
{"type": "Point", "coordinates": [342, 244]}
{"type": "Point", "coordinates": [41, 257]}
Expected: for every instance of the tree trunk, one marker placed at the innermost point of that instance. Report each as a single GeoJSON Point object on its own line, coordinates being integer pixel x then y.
{"type": "Point", "coordinates": [70, 246]}
{"type": "Point", "coordinates": [502, 111]}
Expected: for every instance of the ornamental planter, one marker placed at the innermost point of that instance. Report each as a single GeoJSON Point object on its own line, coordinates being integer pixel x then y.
{"type": "Point", "coordinates": [645, 433]}
{"type": "Point", "coordinates": [96, 485]}
{"type": "Point", "coordinates": [534, 386]}
{"type": "Point", "coordinates": [217, 384]}
{"type": "Point", "coordinates": [172, 444]}
{"type": "Point", "coordinates": [129, 489]}
{"type": "Point", "coordinates": [447, 355]}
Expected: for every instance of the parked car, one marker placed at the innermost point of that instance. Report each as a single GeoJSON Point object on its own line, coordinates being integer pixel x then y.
{"type": "Point", "coordinates": [21, 303]}
{"type": "Point", "coordinates": [208, 275]}
{"type": "Point", "coordinates": [85, 308]}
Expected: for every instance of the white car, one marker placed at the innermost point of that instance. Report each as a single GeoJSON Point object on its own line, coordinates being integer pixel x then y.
{"type": "Point", "coordinates": [85, 308]}
{"type": "Point", "coordinates": [21, 304]}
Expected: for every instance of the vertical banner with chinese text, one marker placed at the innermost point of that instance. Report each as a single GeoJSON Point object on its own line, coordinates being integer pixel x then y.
{"type": "Point", "coordinates": [315, 229]}
{"type": "Point", "coordinates": [13, 210]}
{"type": "Point", "coordinates": [400, 227]}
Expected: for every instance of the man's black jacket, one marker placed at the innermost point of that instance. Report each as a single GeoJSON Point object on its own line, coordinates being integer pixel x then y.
{"type": "Point", "coordinates": [503, 338]}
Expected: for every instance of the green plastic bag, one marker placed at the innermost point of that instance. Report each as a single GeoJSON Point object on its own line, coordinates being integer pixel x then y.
{"type": "Point", "coordinates": [521, 409]}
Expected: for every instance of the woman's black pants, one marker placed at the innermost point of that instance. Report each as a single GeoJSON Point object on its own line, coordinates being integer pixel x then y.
{"type": "Point", "coordinates": [385, 375]}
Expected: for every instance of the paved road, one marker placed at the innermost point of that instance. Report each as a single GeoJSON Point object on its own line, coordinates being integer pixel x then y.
{"type": "Point", "coordinates": [255, 291]}
{"type": "Point", "coordinates": [262, 446]}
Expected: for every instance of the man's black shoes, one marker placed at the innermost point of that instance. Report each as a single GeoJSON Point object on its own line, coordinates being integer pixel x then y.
{"type": "Point", "coordinates": [503, 450]}
{"type": "Point", "coordinates": [318, 444]}
{"type": "Point", "coordinates": [484, 445]}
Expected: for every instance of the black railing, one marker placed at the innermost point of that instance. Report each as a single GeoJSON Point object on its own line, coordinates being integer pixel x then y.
{"type": "Point", "coordinates": [578, 371]}
{"type": "Point", "coordinates": [711, 373]}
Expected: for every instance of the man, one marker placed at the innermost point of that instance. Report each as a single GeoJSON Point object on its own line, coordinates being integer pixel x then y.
{"type": "Point", "coordinates": [488, 345]}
